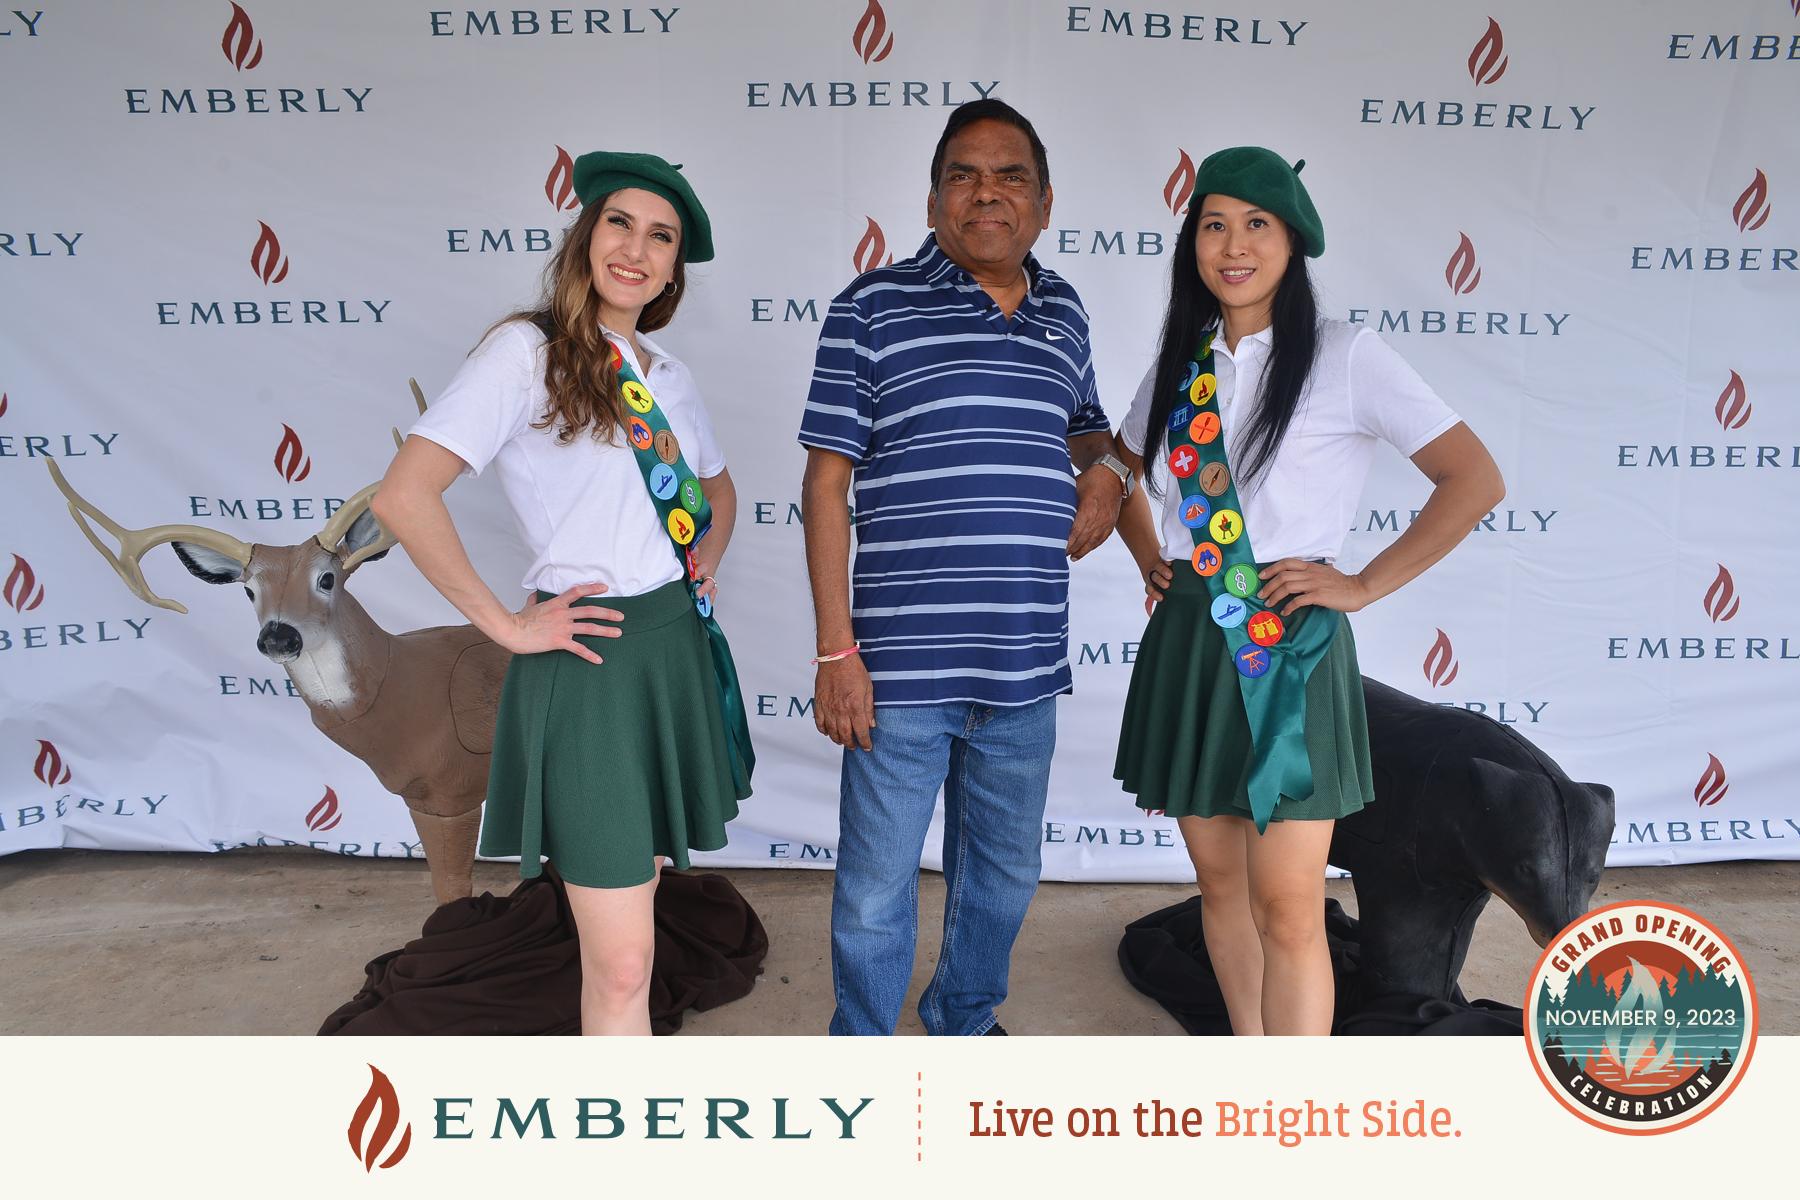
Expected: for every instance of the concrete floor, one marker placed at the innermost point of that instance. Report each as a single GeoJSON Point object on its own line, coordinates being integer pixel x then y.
{"type": "Point", "coordinates": [270, 941]}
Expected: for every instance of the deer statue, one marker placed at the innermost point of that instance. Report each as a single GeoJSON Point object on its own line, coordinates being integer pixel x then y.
{"type": "Point", "coordinates": [418, 708]}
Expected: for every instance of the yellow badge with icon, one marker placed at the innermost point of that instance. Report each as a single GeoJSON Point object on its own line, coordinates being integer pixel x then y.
{"type": "Point", "coordinates": [1226, 526]}
{"type": "Point", "coordinates": [1204, 386]}
{"type": "Point", "coordinates": [681, 527]}
{"type": "Point", "coordinates": [636, 397]}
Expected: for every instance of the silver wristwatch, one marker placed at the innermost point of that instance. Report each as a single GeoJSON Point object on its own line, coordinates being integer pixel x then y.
{"type": "Point", "coordinates": [1112, 463]}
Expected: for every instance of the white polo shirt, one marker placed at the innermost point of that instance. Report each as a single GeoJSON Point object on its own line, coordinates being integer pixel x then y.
{"type": "Point", "coordinates": [1304, 501]}
{"type": "Point", "coordinates": [583, 509]}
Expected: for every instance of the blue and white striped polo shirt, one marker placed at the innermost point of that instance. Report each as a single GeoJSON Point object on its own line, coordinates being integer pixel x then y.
{"type": "Point", "coordinates": [958, 420]}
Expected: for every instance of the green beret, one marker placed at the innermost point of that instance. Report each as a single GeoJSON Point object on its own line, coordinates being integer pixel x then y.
{"type": "Point", "coordinates": [1263, 178]}
{"type": "Point", "coordinates": [604, 171]}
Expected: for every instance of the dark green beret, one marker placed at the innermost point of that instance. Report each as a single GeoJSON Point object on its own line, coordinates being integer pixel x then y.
{"type": "Point", "coordinates": [604, 171]}
{"type": "Point", "coordinates": [1263, 178]}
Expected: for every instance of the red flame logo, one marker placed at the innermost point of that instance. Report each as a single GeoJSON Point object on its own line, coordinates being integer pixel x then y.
{"type": "Point", "coordinates": [1440, 662]}
{"type": "Point", "coordinates": [1733, 409]}
{"type": "Point", "coordinates": [50, 768]}
{"type": "Point", "coordinates": [869, 250]}
{"type": "Point", "coordinates": [1487, 61]}
{"type": "Point", "coordinates": [239, 37]}
{"type": "Point", "coordinates": [381, 1095]}
{"type": "Point", "coordinates": [1180, 187]}
{"type": "Point", "coordinates": [559, 185]}
{"type": "Point", "coordinates": [266, 259]}
{"type": "Point", "coordinates": [1460, 272]}
{"type": "Point", "coordinates": [867, 40]}
{"type": "Point", "coordinates": [324, 816]}
{"type": "Point", "coordinates": [3, 404]}
{"type": "Point", "coordinates": [1712, 784]}
{"type": "Point", "coordinates": [290, 456]}
{"type": "Point", "coordinates": [22, 590]}
{"type": "Point", "coordinates": [1752, 207]}
{"type": "Point", "coordinates": [1721, 601]}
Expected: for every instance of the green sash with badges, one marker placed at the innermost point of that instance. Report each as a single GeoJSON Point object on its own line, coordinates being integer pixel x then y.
{"type": "Point", "coordinates": [686, 516]}
{"type": "Point", "coordinates": [1273, 662]}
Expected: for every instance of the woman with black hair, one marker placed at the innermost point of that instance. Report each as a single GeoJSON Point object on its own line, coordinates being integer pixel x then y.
{"type": "Point", "coordinates": [1254, 431]}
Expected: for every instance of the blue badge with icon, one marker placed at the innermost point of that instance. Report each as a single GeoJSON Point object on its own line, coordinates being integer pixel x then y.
{"type": "Point", "coordinates": [1195, 512]}
{"type": "Point", "coordinates": [704, 605]}
{"type": "Point", "coordinates": [1228, 612]}
{"type": "Point", "coordinates": [1253, 661]}
{"type": "Point", "coordinates": [663, 481]}
{"type": "Point", "coordinates": [1182, 417]}
{"type": "Point", "coordinates": [1187, 381]}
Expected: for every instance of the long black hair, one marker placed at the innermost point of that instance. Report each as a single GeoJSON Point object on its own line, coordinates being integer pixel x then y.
{"type": "Point", "coordinates": [1294, 337]}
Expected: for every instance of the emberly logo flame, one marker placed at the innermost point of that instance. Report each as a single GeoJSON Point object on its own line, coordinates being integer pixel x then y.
{"type": "Point", "coordinates": [1653, 1036]}
{"type": "Point", "coordinates": [1487, 61]}
{"type": "Point", "coordinates": [1721, 598]}
{"type": "Point", "coordinates": [1752, 208]}
{"type": "Point", "coordinates": [239, 40]}
{"type": "Point", "coordinates": [380, 1096]}
{"type": "Point", "coordinates": [50, 768]}
{"type": "Point", "coordinates": [266, 259]}
{"type": "Point", "coordinates": [3, 404]}
{"type": "Point", "coordinates": [559, 185]}
{"type": "Point", "coordinates": [324, 816]}
{"type": "Point", "coordinates": [1461, 272]}
{"type": "Point", "coordinates": [870, 249]}
{"type": "Point", "coordinates": [291, 458]}
{"type": "Point", "coordinates": [22, 590]}
{"type": "Point", "coordinates": [1712, 785]}
{"type": "Point", "coordinates": [1440, 662]}
{"type": "Point", "coordinates": [1733, 408]}
{"type": "Point", "coordinates": [1180, 187]}
{"type": "Point", "coordinates": [870, 30]}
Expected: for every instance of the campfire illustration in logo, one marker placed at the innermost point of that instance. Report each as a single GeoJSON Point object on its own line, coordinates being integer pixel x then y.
{"type": "Point", "coordinates": [1752, 209]}
{"type": "Point", "coordinates": [1440, 662]}
{"type": "Point", "coordinates": [559, 185]}
{"type": "Point", "coordinates": [1180, 186]}
{"type": "Point", "coordinates": [290, 456]}
{"type": "Point", "coordinates": [1733, 408]}
{"type": "Point", "coordinates": [1721, 598]}
{"type": "Point", "coordinates": [1712, 784]}
{"type": "Point", "coordinates": [1461, 272]}
{"type": "Point", "coordinates": [50, 768]}
{"type": "Point", "coordinates": [270, 265]}
{"type": "Point", "coordinates": [324, 816]}
{"type": "Point", "coordinates": [1487, 61]}
{"type": "Point", "coordinates": [869, 251]}
{"type": "Point", "coordinates": [243, 49]}
{"type": "Point", "coordinates": [871, 40]}
{"type": "Point", "coordinates": [383, 1104]}
{"type": "Point", "coordinates": [22, 591]}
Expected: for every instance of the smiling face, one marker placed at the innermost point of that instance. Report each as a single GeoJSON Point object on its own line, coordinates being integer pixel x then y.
{"type": "Point", "coordinates": [989, 204]}
{"type": "Point", "coordinates": [1242, 252]}
{"type": "Point", "coordinates": [632, 254]}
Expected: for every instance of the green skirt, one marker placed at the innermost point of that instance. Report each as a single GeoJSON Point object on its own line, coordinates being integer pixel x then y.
{"type": "Point", "coordinates": [605, 768]}
{"type": "Point", "coordinates": [1184, 745]}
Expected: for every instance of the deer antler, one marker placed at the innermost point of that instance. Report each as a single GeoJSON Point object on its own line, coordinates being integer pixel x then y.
{"type": "Point", "coordinates": [419, 399]}
{"type": "Point", "coordinates": [133, 543]}
{"type": "Point", "coordinates": [339, 525]}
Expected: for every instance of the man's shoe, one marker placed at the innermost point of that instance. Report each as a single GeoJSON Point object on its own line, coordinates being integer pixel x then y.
{"type": "Point", "coordinates": [996, 1029]}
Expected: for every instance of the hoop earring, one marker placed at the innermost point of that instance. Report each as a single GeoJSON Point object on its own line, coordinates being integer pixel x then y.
{"type": "Point", "coordinates": [670, 290]}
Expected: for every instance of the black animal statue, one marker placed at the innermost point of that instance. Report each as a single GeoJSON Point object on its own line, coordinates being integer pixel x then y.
{"type": "Point", "coordinates": [1464, 807]}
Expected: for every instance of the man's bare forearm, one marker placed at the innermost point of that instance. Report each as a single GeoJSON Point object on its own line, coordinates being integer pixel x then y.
{"type": "Point", "coordinates": [825, 519]}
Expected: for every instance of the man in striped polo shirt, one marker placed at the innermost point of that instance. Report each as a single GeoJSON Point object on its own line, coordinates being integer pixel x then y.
{"type": "Point", "coordinates": [956, 390]}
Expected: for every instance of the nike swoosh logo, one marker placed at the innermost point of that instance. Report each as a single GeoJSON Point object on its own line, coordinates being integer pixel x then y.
{"type": "Point", "coordinates": [1053, 336]}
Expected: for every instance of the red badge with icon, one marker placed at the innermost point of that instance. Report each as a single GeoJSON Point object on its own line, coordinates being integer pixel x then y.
{"type": "Point", "coordinates": [1265, 629]}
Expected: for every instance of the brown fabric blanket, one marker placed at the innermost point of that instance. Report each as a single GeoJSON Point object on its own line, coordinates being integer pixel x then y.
{"type": "Point", "coordinates": [509, 964]}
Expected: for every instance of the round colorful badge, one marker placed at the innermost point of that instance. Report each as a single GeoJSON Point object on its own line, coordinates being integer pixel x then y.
{"type": "Point", "coordinates": [1207, 558]}
{"type": "Point", "coordinates": [1201, 391]}
{"type": "Point", "coordinates": [640, 433]}
{"type": "Point", "coordinates": [681, 528]}
{"type": "Point", "coordinates": [1226, 526]}
{"type": "Point", "coordinates": [637, 398]}
{"type": "Point", "coordinates": [667, 448]}
{"type": "Point", "coordinates": [1241, 580]}
{"type": "Point", "coordinates": [663, 481]}
{"type": "Point", "coordinates": [1265, 629]}
{"type": "Point", "coordinates": [704, 604]}
{"type": "Point", "coordinates": [1187, 380]}
{"type": "Point", "coordinates": [1214, 479]}
{"type": "Point", "coordinates": [1181, 416]}
{"type": "Point", "coordinates": [1204, 429]}
{"type": "Point", "coordinates": [1228, 612]}
{"type": "Point", "coordinates": [1194, 512]}
{"type": "Point", "coordinates": [1183, 462]}
{"type": "Point", "coordinates": [1252, 661]}
{"type": "Point", "coordinates": [691, 495]}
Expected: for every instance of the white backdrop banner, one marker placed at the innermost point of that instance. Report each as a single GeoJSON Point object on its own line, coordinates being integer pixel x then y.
{"type": "Point", "coordinates": [229, 233]}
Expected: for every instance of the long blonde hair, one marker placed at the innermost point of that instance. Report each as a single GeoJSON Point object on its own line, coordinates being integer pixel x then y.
{"type": "Point", "coordinates": [578, 370]}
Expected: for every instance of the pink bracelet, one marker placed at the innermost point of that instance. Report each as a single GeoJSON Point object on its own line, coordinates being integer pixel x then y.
{"type": "Point", "coordinates": [825, 658]}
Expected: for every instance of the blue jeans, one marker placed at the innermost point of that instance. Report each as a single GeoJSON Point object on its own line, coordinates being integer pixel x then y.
{"type": "Point", "coordinates": [994, 767]}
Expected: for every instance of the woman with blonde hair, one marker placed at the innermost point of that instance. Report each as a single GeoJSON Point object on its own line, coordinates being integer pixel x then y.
{"type": "Point", "coordinates": [621, 738]}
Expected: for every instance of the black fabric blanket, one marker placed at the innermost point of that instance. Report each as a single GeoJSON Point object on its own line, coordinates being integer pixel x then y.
{"type": "Point", "coordinates": [509, 964]}
{"type": "Point", "coordinates": [1164, 956]}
